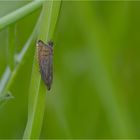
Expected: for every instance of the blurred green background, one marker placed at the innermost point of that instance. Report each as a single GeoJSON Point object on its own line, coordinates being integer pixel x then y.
{"type": "Point", "coordinates": [95, 91]}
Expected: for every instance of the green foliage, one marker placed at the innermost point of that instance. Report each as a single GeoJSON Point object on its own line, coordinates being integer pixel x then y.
{"type": "Point", "coordinates": [37, 92]}
{"type": "Point", "coordinates": [95, 91]}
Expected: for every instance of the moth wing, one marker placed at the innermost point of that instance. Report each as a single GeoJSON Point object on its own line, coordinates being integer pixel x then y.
{"type": "Point", "coordinates": [46, 70]}
{"type": "Point", "coordinates": [50, 69]}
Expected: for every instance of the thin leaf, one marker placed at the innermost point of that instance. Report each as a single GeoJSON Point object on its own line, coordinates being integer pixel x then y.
{"type": "Point", "coordinates": [19, 13]}
{"type": "Point", "coordinates": [37, 90]}
{"type": "Point", "coordinates": [4, 79]}
{"type": "Point", "coordinates": [9, 76]}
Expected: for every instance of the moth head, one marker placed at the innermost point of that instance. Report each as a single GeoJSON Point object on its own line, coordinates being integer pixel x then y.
{"type": "Point", "coordinates": [50, 43]}
{"type": "Point", "coordinates": [39, 43]}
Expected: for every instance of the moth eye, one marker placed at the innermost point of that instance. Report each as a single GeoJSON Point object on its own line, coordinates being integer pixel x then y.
{"type": "Point", "coordinates": [39, 43]}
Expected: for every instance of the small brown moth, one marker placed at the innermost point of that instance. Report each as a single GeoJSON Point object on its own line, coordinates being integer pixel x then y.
{"type": "Point", "coordinates": [45, 58]}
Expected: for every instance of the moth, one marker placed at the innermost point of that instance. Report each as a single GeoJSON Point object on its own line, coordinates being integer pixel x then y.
{"type": "Point", "coordinates": [45, 59]}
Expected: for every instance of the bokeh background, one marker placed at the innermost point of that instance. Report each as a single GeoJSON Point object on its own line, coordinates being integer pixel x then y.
{"type": "Point", "coordinates": [95, 91]}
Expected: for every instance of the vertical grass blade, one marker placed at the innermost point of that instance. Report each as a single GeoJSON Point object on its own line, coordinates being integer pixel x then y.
{"type": "Point", "coordinates": [37, 92]}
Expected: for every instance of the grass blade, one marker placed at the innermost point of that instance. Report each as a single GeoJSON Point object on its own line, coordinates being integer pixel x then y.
{"type": "Point", "coordinates": [37, 90]}
{"type": "Point", "coordinates": [19, 13]}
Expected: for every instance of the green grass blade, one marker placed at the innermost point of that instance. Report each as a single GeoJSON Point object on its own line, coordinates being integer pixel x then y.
{"type": "Point", "coordinates": [8, 77]}
{"type": "Point", "coordinates": [6, 82]}
{"type": "Point", "coordinates": [37, 90]}
{"type": "Point", "coordinates": [19, 13]}
{"type": "Point", "coordinates": [4, 79]}
{"type": "Point", "coordinates": [4, 98]}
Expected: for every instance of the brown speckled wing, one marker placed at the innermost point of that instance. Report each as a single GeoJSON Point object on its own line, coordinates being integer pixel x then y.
{"type": "Point", "coordinates": [45, 58]}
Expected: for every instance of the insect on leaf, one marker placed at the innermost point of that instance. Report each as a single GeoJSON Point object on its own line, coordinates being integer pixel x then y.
{"type": "Point", "coordinates": [45, 59]}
